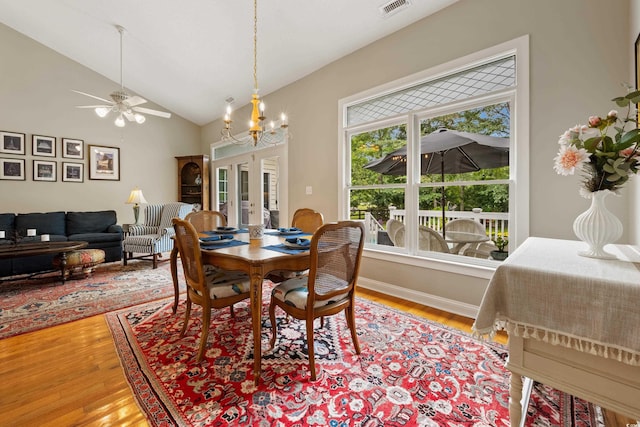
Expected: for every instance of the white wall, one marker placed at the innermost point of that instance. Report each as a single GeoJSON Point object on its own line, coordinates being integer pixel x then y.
{"type": "Point", "coordinates": [634, 187]}
{"type": "Point", "coordinates": [36, 98]}
{"type": "Point", "coordinates": [579, 56]}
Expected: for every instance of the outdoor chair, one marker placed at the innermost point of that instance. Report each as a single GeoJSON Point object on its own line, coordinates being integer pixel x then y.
{"type": "Point", "coordinates": [154, 236]}
{"type": "Point", "coordinates": [393, 226]}
{"type": "Point", "coordinates": [209, 288]}
{"type": "Point", "coordinates": [466, 225]}
{"type": "Point", "coordinates": [430, 240]}
{"type": "Point", "coordinates": [330, 286]}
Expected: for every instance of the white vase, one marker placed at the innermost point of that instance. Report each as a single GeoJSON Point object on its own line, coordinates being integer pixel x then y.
{"type": "Point", "coordinates": [597, 227]}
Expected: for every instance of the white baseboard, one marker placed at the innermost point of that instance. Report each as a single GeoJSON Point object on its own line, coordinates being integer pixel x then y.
{"type": "Point", "coordinates": [449, 305]}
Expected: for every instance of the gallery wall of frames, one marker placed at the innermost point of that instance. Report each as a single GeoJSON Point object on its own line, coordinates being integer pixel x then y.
{"type": "Point", "coordinates": [55, 157]}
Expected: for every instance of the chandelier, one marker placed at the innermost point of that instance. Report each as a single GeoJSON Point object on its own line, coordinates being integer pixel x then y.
{"type": "Point", "coordinates": [257, 129]}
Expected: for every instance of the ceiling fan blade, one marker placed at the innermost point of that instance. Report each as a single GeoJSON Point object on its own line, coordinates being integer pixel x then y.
{"type": "Point", "coordinates": [152, 112]}
{"type": "Point", "coordinates": [94, 106]}
{"type": "Point", "coordinates": [92, 96]}
{"type": "Point", "coordinates": [134, 100]}
{"type": "Point", "coordinates": [129, 116]}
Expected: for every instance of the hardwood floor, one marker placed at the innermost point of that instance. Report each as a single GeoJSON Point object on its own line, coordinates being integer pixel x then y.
{"type": "Point", "coordinates": [71, 375]}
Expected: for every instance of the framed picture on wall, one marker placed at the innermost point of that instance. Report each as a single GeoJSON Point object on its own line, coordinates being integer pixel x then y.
{"type": "Point", "coordinates": [44, 145]}
{"type": "Point", "coordinates": [44, 171]}
{"type": "Point", "coordinates": [72, 148]}
{"type": "Point", "coordinates": [104, 162]}
{"type": "Point", "coordinates": [11, 142]}
{"type": "Point", "coordinates": [72, 172]}
{"type": "Point", "coordinates": [12, 169]}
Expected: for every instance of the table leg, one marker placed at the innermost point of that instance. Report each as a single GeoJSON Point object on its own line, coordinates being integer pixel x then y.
{"type": "Point", "coordinates": [63, 265]}
{"type": "Point", "coordinates": [257, 277]}
{"type": "Point", "coordinates": [174, 276]}
{"type": "Point", "coordinates": [519, 394]}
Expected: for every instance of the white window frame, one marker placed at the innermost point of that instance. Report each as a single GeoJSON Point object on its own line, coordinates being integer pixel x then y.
{"type": "Point", "coordinates": [518, 98]}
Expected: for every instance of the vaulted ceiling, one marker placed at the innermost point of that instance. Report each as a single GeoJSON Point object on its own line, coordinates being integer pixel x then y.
{"type": "Point", "coordinates": [189, 56]}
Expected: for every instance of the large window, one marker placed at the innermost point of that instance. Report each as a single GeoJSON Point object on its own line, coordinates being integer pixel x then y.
{"type": "Point", "coordinates": [429, 166]}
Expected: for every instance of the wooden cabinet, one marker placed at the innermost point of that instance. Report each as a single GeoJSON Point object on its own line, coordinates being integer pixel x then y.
{"type": "Point", "coordinates": [193, 180]}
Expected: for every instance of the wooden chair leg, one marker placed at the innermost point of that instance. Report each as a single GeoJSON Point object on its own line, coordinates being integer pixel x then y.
{"type": "Point", "coordinates": [206, 319]}
{"type": "Point", "coordinates": [233, 315]}
{"type": "Point", "coordinates": [155, 260]}
{"type": "Point", "coordinates": [187, 314]}
{"type": "Point", "coordinates": [274, 326]}
{"type": "Point", "coordinates": [351, 322]}
{"type": "Point", "coordinates": [312, 362]}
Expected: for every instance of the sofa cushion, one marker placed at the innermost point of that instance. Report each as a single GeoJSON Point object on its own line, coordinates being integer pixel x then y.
{"type": "Point", "coordinates": [90, 222]}
{"type": "Point", "coordinates": [95, 237]}
{"type": "Point", "coordinates": [44, 223]}
{"type": "Point", "coordinates": [7, 221]}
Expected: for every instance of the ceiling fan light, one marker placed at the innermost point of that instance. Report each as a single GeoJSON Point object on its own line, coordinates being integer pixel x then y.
{"type": "Point", "coordinates": [119, 121]}
{"type": "Point", "coordinates": [102, 111]}
{"type": "Point", "coordinates": [140, 119]}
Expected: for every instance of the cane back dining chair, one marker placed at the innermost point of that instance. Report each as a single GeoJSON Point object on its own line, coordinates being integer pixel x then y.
{"type": "Point", "coordinates": [208, 287]}
{"type": "Point", "coordinates": [430, 240]}
{"type": "Point", "coordinates": [206, 220]}
{"type": "Point", "coordinates": [329, 288]}
{"type": "Point", "coordinates": [307, 220]}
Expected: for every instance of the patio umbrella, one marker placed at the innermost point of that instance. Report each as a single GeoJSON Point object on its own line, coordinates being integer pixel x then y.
{"type": "Point", "coordinates": [447, 151]}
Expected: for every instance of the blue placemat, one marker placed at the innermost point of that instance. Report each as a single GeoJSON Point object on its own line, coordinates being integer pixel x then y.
{"type": "Point", "coordinates": [217, 233]}
{"type": "Point", "coordinates": [284, 249]}
{"type": "Point", "coordinates": [277, 233]}
{"type": "Point", "coordinates": [226, 244]}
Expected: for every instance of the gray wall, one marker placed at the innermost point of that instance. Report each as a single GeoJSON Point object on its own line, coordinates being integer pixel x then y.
{"type": "Point", "coordinates": [36, 98]}
{"type": "Point", "coordinates": [579, 54]}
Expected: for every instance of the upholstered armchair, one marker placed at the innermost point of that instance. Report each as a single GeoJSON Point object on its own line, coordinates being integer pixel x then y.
{"type": "Point", "coordinates": [154, 237]}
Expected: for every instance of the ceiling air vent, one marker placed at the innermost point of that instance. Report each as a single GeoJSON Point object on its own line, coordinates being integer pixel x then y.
{"type": "Point", "coordinates": [393, 7]}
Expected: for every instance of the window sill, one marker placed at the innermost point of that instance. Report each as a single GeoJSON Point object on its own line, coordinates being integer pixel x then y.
{"type": "Point", "coordinates": [473, 267]}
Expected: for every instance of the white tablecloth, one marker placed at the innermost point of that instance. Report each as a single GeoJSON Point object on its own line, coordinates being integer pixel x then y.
{"type": "Point", "coordinates": [547, 291]}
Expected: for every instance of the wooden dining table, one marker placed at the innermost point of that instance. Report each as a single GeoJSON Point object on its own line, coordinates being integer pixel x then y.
{"type": "Point", "coordinates": [257, 261]}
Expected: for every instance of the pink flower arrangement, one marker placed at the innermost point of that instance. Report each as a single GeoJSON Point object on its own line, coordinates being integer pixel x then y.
{"type": "Point", "coordinates": [606, 162]}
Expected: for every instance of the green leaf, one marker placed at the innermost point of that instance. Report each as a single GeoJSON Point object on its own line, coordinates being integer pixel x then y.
{"type": "Point", "coordinates": [630, 137]}
{"type": "Point", "coordinates": [591, 143]}
{"type": "Point", "coordinates": [613, 178]}
{"type": "Point", "coordinates": [621, 102]}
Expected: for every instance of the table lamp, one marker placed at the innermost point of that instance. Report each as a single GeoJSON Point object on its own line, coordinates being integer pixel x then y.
{"type": "Point", "coordinates": [136, 197]}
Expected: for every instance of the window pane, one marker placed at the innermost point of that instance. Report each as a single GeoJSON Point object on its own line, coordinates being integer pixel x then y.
{"type": "Point", "coordinates": [372, 158]}
{"type": "Point", "coordinates": [485, 78]}
{"type": "Point", "coordinates": [486, 204]}
{"type": "Point", "coordinates": [373, 207]}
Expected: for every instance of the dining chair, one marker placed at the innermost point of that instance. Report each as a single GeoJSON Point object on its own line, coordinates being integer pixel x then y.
{"type": "Point", "coordinates": [329, 288]}
{"type": "Point", "coordinates": [209, 288]}
{"type": "Point", "coordinates": [206, 220]}
{"type": "Point", "coordinates": [471, 226]}
{"type": "Point", "coordinates": [307, 220]}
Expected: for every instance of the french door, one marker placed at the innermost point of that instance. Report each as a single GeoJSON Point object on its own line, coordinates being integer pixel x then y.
{"type": "Point", "coordinates": [250, 187]}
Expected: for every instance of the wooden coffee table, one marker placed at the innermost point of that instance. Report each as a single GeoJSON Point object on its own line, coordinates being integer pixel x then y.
{"type": "Point", "coordinates": [40, 248]}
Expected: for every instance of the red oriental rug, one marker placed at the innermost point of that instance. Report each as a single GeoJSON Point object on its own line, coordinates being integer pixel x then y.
{"type": "Point", "coordinates": [30, 304]}
{"type": "Point", "coordinates": [412, 372]}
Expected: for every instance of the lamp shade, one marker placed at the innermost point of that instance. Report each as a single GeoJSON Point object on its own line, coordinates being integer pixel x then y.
{"type": "Point", "coordinates": [136, 197]}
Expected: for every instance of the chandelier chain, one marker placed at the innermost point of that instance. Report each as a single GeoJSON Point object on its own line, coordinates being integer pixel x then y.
{"type": "Point", "coordinates": [255, 45]}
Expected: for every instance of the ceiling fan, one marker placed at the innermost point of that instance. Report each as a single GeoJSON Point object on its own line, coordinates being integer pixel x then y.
{"type": "Point", "coordinates": [122, 103]}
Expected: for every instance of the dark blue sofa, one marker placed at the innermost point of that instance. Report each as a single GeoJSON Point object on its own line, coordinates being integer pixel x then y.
{"type": "Point", "coordinates": [99, 229]}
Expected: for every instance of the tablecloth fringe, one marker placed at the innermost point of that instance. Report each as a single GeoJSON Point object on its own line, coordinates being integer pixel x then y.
{"type": "Point", "coordinates": [576, 343]}
{"type": "Point", "coordinates": [557, 338]}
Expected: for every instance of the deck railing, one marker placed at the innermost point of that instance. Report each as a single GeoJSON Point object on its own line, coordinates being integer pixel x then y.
{"type": "Point", "coordinates": [496, 223]}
